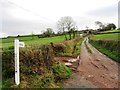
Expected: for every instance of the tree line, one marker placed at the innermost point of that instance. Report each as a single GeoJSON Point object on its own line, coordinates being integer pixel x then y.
{"type": "Point", "coordinates": [105, 27]}
{"type": "Point", "coordinates": [67, 27]}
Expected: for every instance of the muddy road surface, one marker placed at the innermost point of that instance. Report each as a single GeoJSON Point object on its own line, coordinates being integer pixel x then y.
{"type": "Point", "coordinates": [95, 70]}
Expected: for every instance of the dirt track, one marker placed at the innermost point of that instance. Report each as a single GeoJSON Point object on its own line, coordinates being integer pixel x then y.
{"type": "Point", "coordinates": [95, 70]}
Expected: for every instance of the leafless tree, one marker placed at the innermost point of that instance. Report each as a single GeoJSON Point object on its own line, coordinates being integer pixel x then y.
{"type": "Point", "coordinates": [100, 24]}
{"type": "Point", "coordinates": [66, 24]}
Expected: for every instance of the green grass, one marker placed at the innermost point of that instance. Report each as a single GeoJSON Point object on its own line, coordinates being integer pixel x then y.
{"type": "Point", "coordinates": [112, 31]}
{"type": "Point", "coordinates": [88, 49]}
{"type": "Point", "coordinates": [108, 44]}
{"type": "Point", "coordinates": [7, 83]}
{"type": "Point", "coordinates": [61, 71]}
{"type": "Point", "coordinates": [0, 84]}
{"type": "Point", "coordinates": [114, 36]}
{"type": "Point", "coordinates": [31, 40]}
{"type": "Point", "coordinates": [107, 50]}
{"type": "Point", "coordinates": [46, 73]}
{"type": "Point", "coordinates": [78, 47]}
{"type": "Point", "coordinates": [70, 50]}
{"type": "Point", "coordinates": [28, 78]}
{"type": "Point", "coordinates": [8, 42]}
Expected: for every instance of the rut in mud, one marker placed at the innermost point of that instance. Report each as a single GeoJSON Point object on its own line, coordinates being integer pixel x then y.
{"type": "Point", "coordinates": [95, 70]}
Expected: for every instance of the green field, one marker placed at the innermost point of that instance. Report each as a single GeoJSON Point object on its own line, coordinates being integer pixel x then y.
{"type": "Point", "coordinates": [108, 47]}
{"type": "Point", "coordinates": [108, 44]}
{"type": "Point", "coordinates": [8, 42]}
{"type": "Point", "coordinates": [112, 31]}
{"type": "Point", "coordinates": [48, 76]}
{"type": "Point", "coordinates": [114, 36]}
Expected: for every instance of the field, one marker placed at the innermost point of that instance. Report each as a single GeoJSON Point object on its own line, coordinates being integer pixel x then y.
{"type": "Point", "coordinates": [49, 75]}
{"type": "Point", "coordinates": [112, 31]}
{"type": "Point", "coordinates": [108, 44]}
{"type": "Point", "coordinates": [49, 71]}
{"type": "Point", "coordinates": [8, 42]}
{"type": "Point", "coordinates": [114, 36]}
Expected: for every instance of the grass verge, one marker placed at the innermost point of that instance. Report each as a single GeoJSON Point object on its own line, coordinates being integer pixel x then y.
{"type": "Point", "coordinates": [88, 49]}
{"type": "Point", "coordinates": [109, 48]}
{"type": "Point", "coordinates": [72, 48]}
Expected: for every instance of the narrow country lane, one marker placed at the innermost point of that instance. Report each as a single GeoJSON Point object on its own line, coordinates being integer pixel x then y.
{"type": "Point", "coordinates": [97, 68]}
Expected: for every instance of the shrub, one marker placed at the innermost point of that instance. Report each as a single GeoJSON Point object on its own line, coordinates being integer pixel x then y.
{"type": "Point", "coordinates": [61, 71]}
{"type": "Point", "coordinates": [36, 68]}
{"type": "Point", "coordinates": [7, 64]}
{"type": "Point", "coordinates": [73, 48]}
{"type": "Point", "coordinates": [34, 61]}
{"type": "Point", "coordinates": [58, 48]}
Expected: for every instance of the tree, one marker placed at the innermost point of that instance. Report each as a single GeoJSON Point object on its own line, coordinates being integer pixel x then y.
{"type": "Point", "coordinates": [118, 29]}
{"type": "Point", "coordinates": [98, 23]}
{"type": "Point", "coordinates": [111, 26]}
{"type": "Point", "coordinates": [103, 27]}
{"type": "Point", "coordinates": [66, 23]}
{"type": "Point", "coordinates": [74, 30]}
{"type": "Point", "coordinates": [49, 32]}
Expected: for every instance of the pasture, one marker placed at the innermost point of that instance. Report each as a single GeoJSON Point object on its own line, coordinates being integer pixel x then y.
{"type": "Point", "coordinates": [30, 55]}
{"type": "Point", "coordinates": [113, 36]}
{"type": "Point", "coordinates": [112, 31]}
{"type": "Point", "coordinates": [9, 42]}
{"type": "Point", "coordinates": [108, 44]}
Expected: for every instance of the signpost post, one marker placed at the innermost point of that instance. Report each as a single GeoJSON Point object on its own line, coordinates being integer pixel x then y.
{"type": "Point", "coordinates": [17, 44]}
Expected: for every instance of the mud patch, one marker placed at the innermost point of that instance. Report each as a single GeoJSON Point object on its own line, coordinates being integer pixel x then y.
{"type": "Point", "coordinates": [71, 62]}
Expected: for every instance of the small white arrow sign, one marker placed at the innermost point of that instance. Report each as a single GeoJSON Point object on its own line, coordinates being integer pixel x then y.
{"type": "Point", "coordinates": [21, 44]}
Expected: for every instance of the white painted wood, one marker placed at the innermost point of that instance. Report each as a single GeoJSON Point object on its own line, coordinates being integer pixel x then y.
{"type": "Point", "coordinates": [17, 44]}
{"type": "Point", "coordinates": [17, 73]}
{"type": "Point", "coordinates": [21, 44]}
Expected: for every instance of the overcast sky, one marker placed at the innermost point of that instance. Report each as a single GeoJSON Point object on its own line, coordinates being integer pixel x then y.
{"type": "Point", "coordinates": [34, 16]}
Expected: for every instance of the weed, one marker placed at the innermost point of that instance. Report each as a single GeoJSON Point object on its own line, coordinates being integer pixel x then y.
{"type": "Point", "coordinates": [72, 48]}
{"type": "Point", "coordinates": [61, 71]}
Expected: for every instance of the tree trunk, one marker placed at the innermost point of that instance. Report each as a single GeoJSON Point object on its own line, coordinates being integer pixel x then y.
{"type": "Point", "coordinates": [70, 35]}
{"type": "Point", "coordinates": [65, 35]}
{"type": "Point", "coordinates": [73, 34]}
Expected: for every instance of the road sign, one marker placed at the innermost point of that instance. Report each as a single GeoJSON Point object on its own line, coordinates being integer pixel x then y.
{"type": "Point", "coordinates": [21, 44]}
{"type": "Point", "coordinates": [17, 44]}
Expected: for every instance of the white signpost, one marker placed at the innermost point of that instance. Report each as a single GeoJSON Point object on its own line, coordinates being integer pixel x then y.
{"type": "Point", "coordinates": [17, 44]}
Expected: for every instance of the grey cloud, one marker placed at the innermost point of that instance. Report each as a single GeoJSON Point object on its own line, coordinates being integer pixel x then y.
{"type": "Point", "coordinates": [15, 26]}
{"type": "Point", "coordinates": [109, 11]}
{"type": "Point", "coordinates": [82, 22]}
